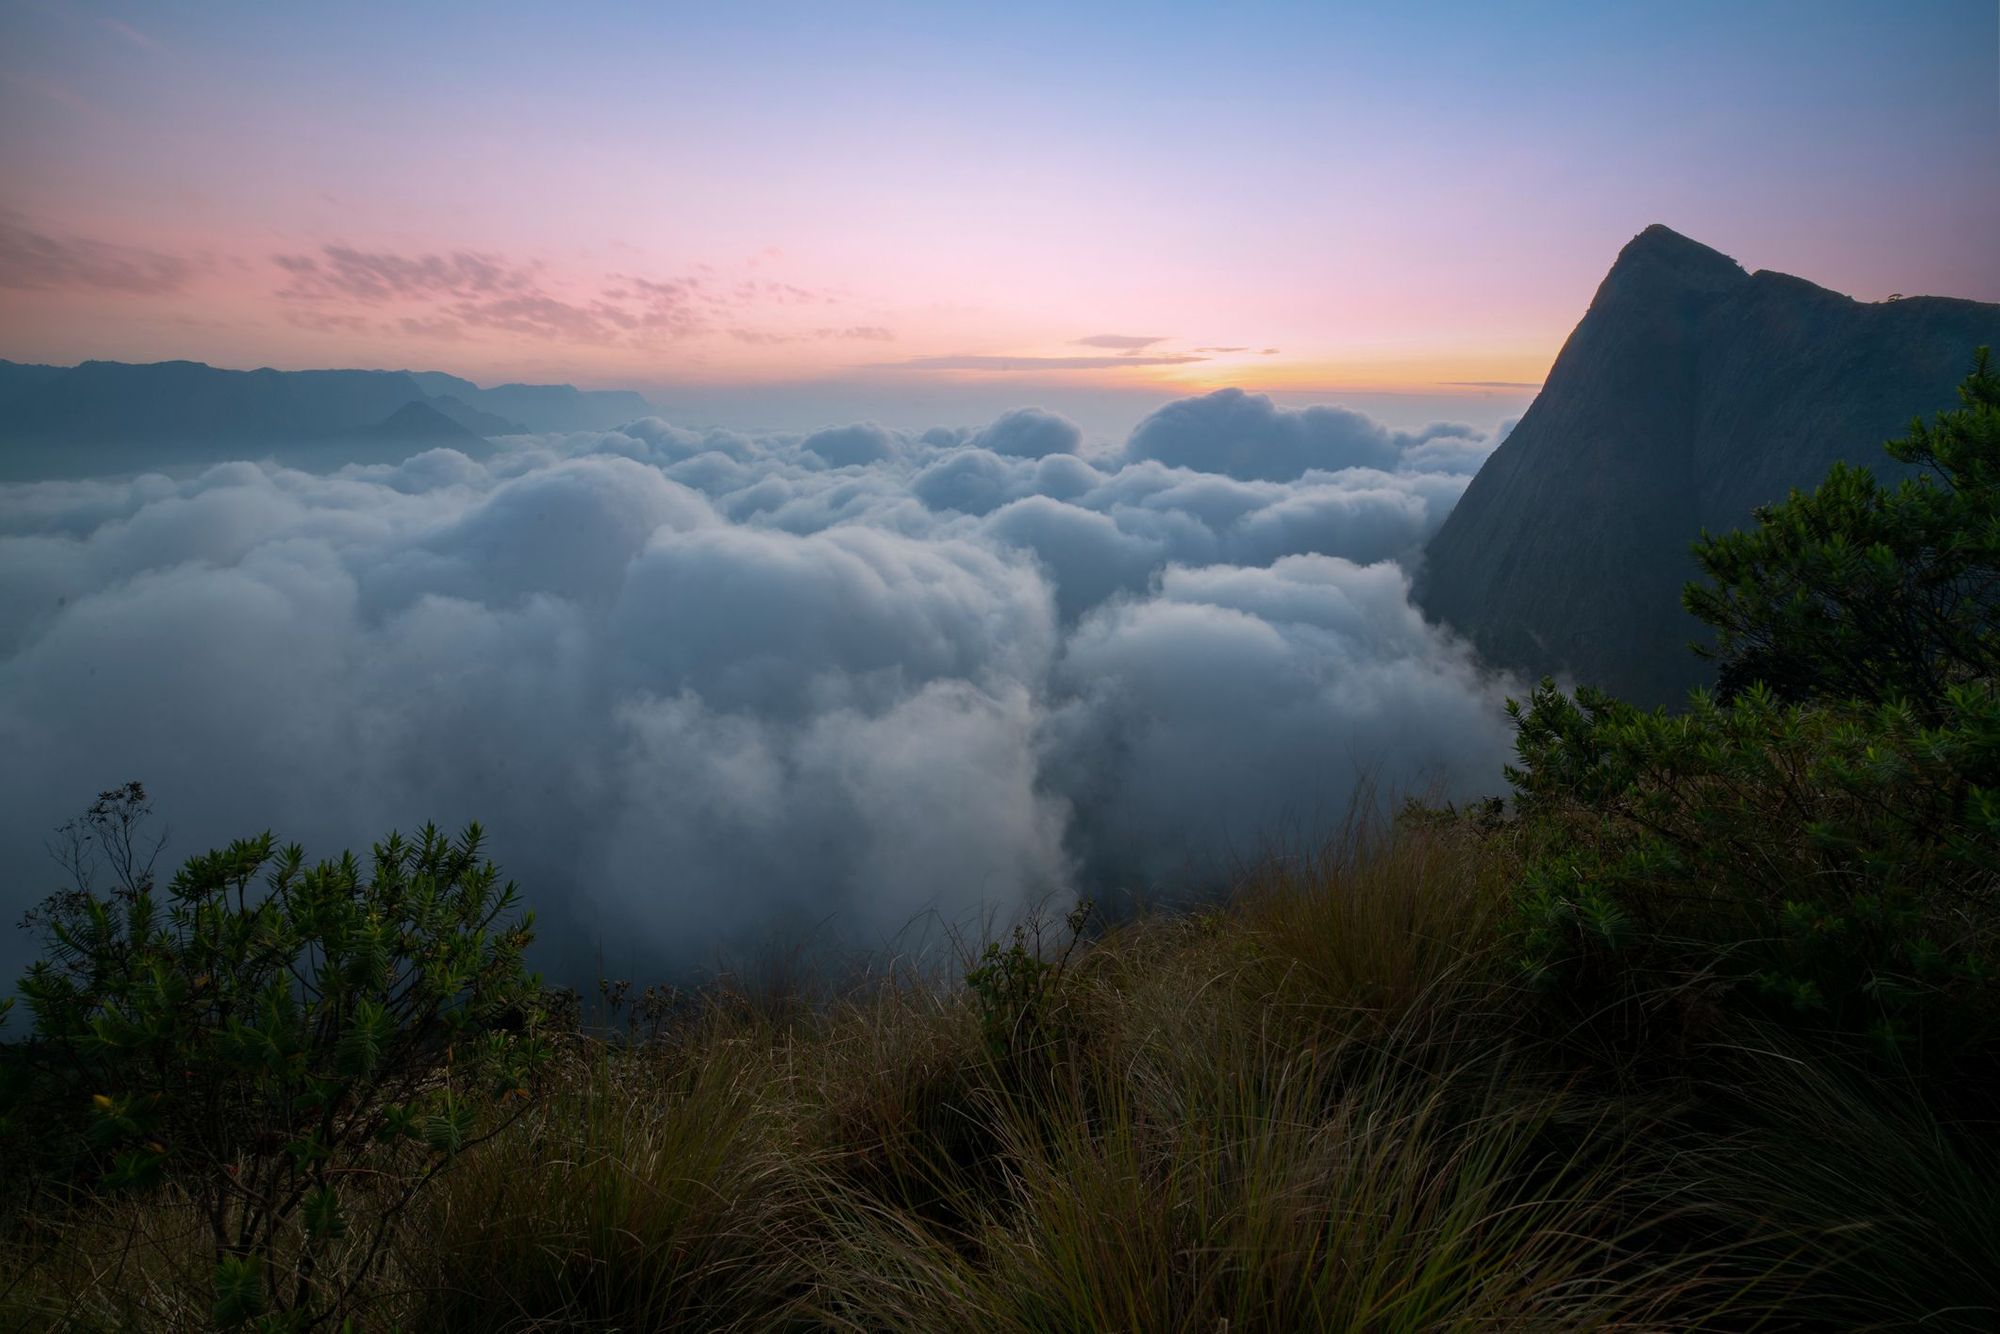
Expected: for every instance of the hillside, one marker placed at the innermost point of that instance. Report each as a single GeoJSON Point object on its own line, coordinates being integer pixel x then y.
{"type": "Point", "coordinates": [1690, 393]}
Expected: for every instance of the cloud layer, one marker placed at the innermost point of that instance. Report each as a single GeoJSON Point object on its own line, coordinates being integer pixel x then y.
{"type": "Point", "coordinates": [705, 687]}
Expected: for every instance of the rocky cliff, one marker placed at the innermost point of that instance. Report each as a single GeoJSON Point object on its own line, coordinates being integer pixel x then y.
{"type": "Point", "coordinates": [1691, 393]}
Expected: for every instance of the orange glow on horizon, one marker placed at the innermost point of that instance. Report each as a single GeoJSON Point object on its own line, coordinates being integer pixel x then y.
{"type": "Point", "coordinates": [1469, 374]}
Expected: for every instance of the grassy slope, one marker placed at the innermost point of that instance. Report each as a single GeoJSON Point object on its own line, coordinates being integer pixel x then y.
{"type": "Point", "coordinates": [1319, 1106]}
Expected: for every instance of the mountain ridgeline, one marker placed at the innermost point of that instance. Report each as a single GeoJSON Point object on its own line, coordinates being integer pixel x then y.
{"type": "Point", "coordinates": [1691, 393]}
{"type": "Point", "coordinates": [106, 417]}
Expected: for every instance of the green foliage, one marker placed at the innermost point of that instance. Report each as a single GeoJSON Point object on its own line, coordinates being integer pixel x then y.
{"type": "Point", "coordinates": [291, 1044]}
{"type": "Point", "coordinates": [1821, 840]}
{"type": "Point", "coordinates": [1860, 591]}
{"type": "Point", "coordinates": [1015, 987]}
{"type": "Point", "coordinates": [1832, 865]}
{"type": "Point", "coordinates": [239, 1290]}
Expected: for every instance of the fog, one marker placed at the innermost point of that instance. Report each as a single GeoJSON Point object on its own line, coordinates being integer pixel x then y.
{"type": "Point", "coordinates": [710, 691]}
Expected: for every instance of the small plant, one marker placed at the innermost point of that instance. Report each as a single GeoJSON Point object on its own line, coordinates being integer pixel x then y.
{"type": "Point", "coordinates": [1014, 986]}
{"type": "Point", "coordinates": [300, 1056]}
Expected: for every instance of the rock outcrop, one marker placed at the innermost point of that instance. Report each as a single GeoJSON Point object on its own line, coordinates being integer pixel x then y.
{"type": "Point", "coordinates": [1691, 393]}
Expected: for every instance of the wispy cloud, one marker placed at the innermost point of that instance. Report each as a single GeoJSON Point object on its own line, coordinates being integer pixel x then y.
{"type": "Point", "coordinates": [966, 362]}
{"type": "Point", "coordinates": [446, 329]}
{"type": "Point", "coordinates": [782, 294]}
{"type": "Point", "coordinates": [342, 271]}
{"type": "Point", "coordinates": [460, 292]}
{"type": "Point", "coordinates": [1120, 342]}
{"type": "Point", "coordinates": [326, 321]}
{"type": "Point", "coordinates": [862, 333]}
{"type": "Point", "coordinates": [466, 290]}
{"type": "Point", "coordinates": [130, 34]}
{"type": "Point", "coordinates": [37, 261]}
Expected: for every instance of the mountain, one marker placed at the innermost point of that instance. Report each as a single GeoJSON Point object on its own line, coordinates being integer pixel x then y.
{"type": "Point", "coordinates": [108, 402]}
{"type": "Point", "coordinates": [421, 423]}
{"type": "Point", "coordinates": [541, 407]}
{"type": "Point", "coordinates": [562, 407]}
{"type": "Point", "coordinates": [17, 378]}
{"type": "Point", "coordinates": [1691, 393]}
{"type": "Point", "coordinates": [107, 416]}
{"type": "Point", "coordinates": [409, 430]}
{"type": "Point", "coordinates": [472, 419]}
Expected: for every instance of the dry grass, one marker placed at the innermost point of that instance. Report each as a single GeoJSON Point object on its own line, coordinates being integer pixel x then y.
{"type": "Point", "coordinates": [1315, 1107]}
{"type": "Point", "coordinates": [644, 1190]}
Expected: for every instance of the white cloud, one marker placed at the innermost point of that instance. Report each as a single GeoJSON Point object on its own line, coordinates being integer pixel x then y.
{"type": "Point", "coordinates": [1030, 433]}
{"type": "Point", "coordinates": [1241, 705]}
{"type": "Point", "coordinates": [1248, 436]}
{"type": "Point", "coordinates": [702, 685]}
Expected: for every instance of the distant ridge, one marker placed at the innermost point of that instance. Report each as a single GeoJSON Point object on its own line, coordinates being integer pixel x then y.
{"type": "Point", "coordinates": [422, 423]}
{"type": "Point", "coordinates": [1690, 393]}
{"type": "Point", "coordinates": [543, 407]}
{"type": "Point", "coordinates": [107, 416]}
{"type": "Point", "coordinates": [472, 419]}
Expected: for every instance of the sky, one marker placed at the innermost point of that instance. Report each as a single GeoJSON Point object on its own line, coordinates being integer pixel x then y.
{"type": "Point", "coordinates": [773, 215]}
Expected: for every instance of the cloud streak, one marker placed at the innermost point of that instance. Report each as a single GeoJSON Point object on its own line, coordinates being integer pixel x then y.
{"type": "Point", "coordinates": [458, 294]}
{"type": "Point", "coordinates": [1120, 342]}
{"type": "Point", "coordinates": [31, 260]}
{"type": "Point", "coordinates": [972, 362]}
{"type": "Point", "coordinates": [853, 333]}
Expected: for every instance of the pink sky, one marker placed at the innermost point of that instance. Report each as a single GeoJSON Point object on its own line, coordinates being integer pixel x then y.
{"type": "Point", "coordinates": [1160, 199]}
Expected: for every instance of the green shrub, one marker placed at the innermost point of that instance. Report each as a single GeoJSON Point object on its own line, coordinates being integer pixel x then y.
{"type": "Point", "coordinates": [1830, 865]}
{"type": "Point", "coordinates": [1821, 840]}
{"type": "Point", "coordinates": [1856, 590]}
{"type": "Point", "coordinates": [298, 1057]}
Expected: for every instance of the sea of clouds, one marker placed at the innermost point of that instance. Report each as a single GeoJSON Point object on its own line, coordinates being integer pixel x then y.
{"type": "Point", "coordinates": [708, 691]}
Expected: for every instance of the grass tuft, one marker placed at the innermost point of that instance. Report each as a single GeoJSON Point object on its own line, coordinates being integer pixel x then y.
{"type": "Point", "coordinates": [1322, 1104]}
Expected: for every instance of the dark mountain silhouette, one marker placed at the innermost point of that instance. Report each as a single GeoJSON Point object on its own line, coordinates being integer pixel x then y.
{"type": "Point", "coordinates": [420, 423]}
{"type": "Point", "coordinates": [18, 377]}
{"type": "Point", "coordinates": [1691, 393]}
{"type": "Point", "coordinates": [409, 430]}
{"type": "Point", "coordinates": [472, 419]}
{"type": "Point", "coordinates": [103, 402]}
{"type": "Point", "coordinates": [109, 417]}
{"type": "Point", "coordinates": [542, 407]}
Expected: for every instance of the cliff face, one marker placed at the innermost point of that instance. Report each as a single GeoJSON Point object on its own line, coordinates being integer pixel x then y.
{"type": "Point", "coordinates": [1691, 393]}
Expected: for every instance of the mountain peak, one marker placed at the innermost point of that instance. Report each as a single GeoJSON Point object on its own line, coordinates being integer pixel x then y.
{"type": "Point", "coordinates": [1690, 394]}
{"type": "Point", "coordinates": [419, 421]}
{"type": "Point", "coordinates": [1660, 250]}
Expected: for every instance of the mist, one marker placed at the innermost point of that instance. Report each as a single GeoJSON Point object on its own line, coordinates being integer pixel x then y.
{"type": "Point", "coordinates": [709, 690]}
